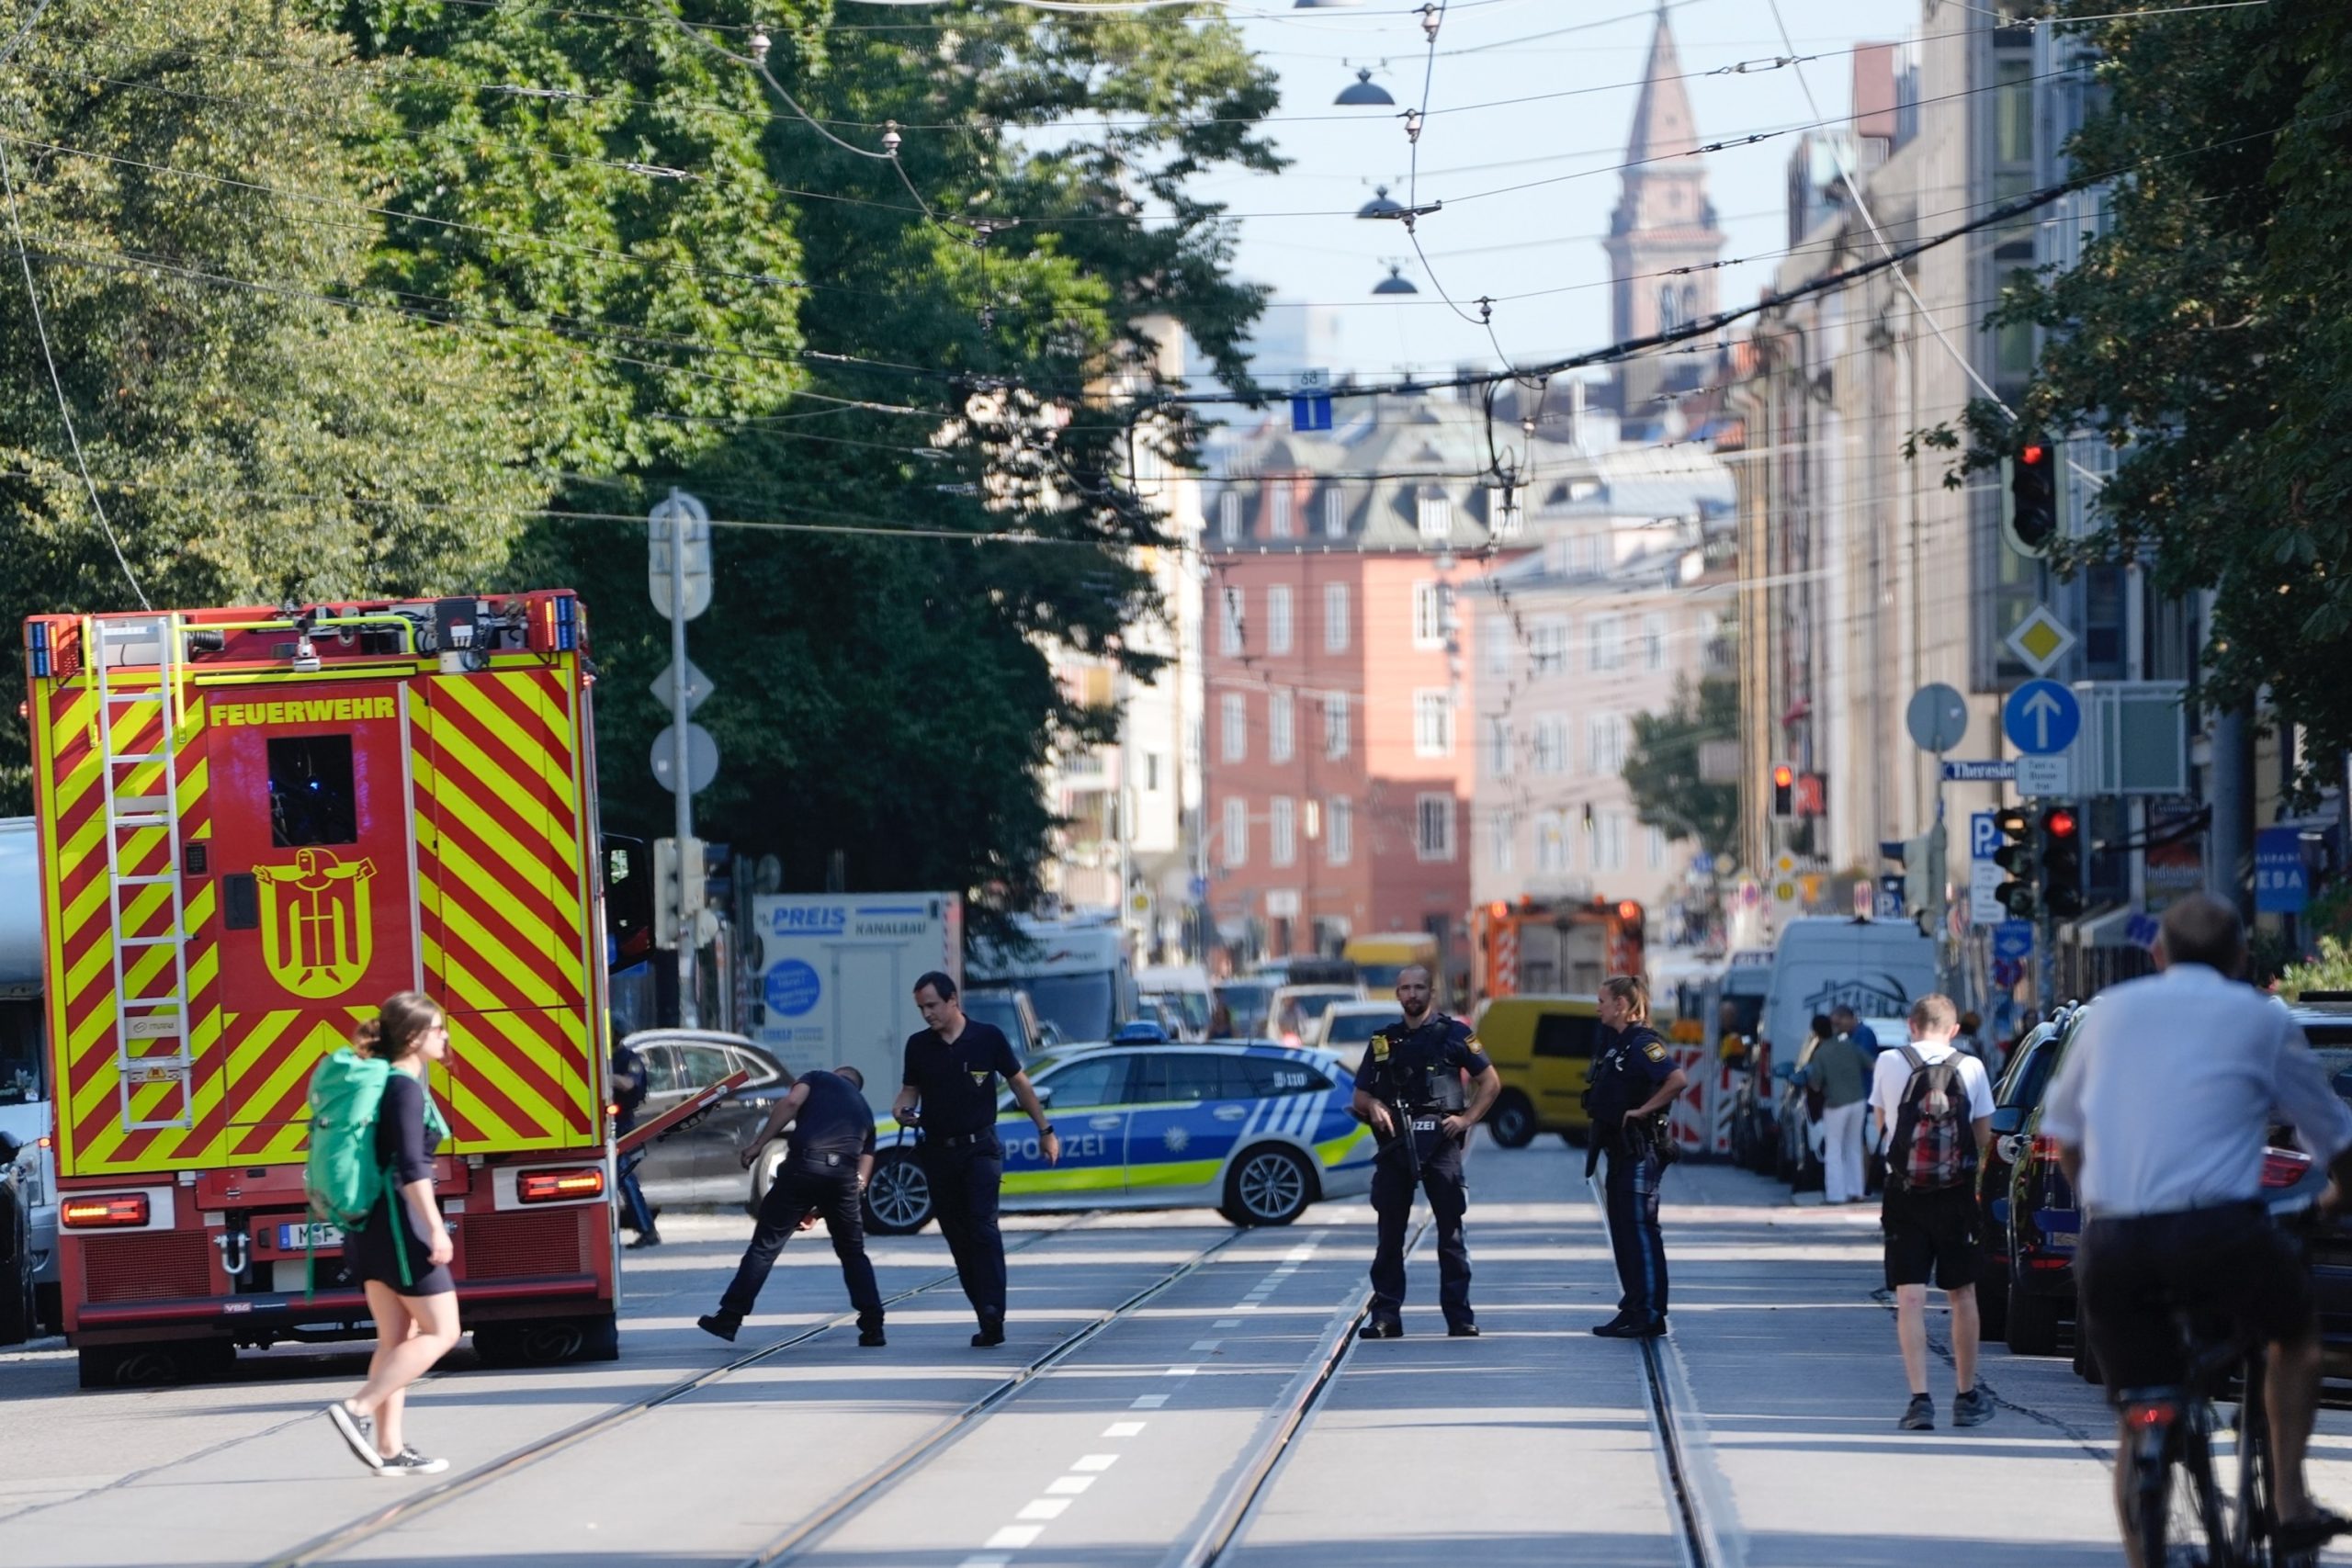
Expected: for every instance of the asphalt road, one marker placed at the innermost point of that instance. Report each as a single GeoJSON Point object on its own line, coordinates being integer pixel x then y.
{"type": "Point", "coordinates": [1534, 1444]}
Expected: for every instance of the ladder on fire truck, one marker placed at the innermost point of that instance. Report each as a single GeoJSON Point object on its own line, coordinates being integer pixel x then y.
{"type": "Point", "coordinates": [141, 1022]}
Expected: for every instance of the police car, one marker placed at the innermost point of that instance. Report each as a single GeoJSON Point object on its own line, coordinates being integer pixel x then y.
{"type": "Point", "coordinates": [1257, 1130]}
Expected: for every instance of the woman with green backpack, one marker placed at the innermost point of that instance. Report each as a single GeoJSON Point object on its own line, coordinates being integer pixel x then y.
{"type": "Point", "coordinates": [372, 1114]}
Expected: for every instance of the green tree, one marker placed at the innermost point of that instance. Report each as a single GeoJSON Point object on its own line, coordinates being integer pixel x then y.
{"type": "Point", "coordinates": [2203, 338]}
{"type": "Point", "coordinates": [194, 225]}
{"type": "Point", "coordinates": [1670, 792]}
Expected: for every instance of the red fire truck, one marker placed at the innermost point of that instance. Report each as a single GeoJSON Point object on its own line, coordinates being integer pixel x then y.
{"type": "Point", "coordinates": [1539, 947]}
{"type": "Point", "coordinates": [256, 825]}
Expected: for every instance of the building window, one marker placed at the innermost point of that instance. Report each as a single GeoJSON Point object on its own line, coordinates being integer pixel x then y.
{"type": "Point", "coordinates": [1494, 635]}
{"type": "Point", "coordinates": [1335, 514]}
{"type": "Point", "coordinates": [1606, 637]}
{"type": "Point", "coordinates": [1499, 748]}
{"type": "Point", "coordinates": [1428, 615]}
{"type": "Point", "coordinates": [1506, 513]}
{"type": "Point", "coordinates": [1435, 515]}
{"type": "Point", "coordinates": [1433, 826]}
{"type": "Point", "coordinates": [1235, 835]}
{"type": "Point", "coordinates": [1229, 622]}
{"type": "Point", "coordinates": [1281, 831]}
{"type": "Point", "coordinates": [1335, 726]}
{"type": "Point", "coordinates": [1335, 617]}
{"type": "Point", "coordinates": [1340, 842]}
{"type": "Point", "coordinates": [1433, 722]}
{"type": "Point", "coordinates": [1502, 829]}
{"type": "Point", "coordinates": [1551, 748]}
{"type": "Point", "coordinates": [1605, 742]}
{"type": "Point", "coordinates": [1228, 516]}
{"type": "Point", "coordinates": [1547, 646]}
{"type": "Point", "coordinates": [1152, 772]}
{"type": "Point", "coordinates": [1608, 841]}
{"type": "Point", "coordinates": [1654, 641]}
{"type": "Point", "coordinates": [1278, 619]}
{"type": "Point", "coordinates": [1278, 511]}
{"type": "Point", "coordinates": [1234, 708]}
{"type": "Point", "coordinates": [1654, 847]}
{"type": "Point", "coordinates": [1551, 843]}
{"type": "Point", "coordinates": [1280, 730]}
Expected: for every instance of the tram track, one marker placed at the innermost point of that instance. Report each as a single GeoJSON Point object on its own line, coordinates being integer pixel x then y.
{"type": "Point", "coordinates": [332, 1543]}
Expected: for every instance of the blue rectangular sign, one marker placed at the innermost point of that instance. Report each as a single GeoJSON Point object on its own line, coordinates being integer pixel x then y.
{"type": "Point", "coordinates": [2281, 887]}
{"type": "Point", "coordinates": [2013, 940]}
{"type": "Point", "coordinates": [1983, 835]}
{"type": "Point", "coordinates": [1312, 412]}
{"type": "Point", "coordinates": [1985, 772]}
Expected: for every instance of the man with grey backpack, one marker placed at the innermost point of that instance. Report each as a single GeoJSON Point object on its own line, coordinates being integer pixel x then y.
{"type": "Point", "coordinates": [1933, 1110]}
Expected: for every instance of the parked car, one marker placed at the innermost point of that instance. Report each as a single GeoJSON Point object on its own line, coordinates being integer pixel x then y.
{"type": "Point", "coordinates": [1009, 1009]}
{"type": "Point", "coordinates": [1297, 1011]}
{"type": "Point", "coordinates": [2015, 1096]}
{"type": "Point", "coordinates": [1542, 1049]}
{"type": "Point", "coordinates": [703, 1164]}
{"type": "Point", "coordinates": [1255, 1129]}
{"type": "Point", "coordinates": [1249, 999]}
{"type": "Point", "coordinates": [1348, 1027]}
{"type": "Point", "coordinates": [2326, 1018]}
{"type": "Point", "coordinates": [1178, 996]}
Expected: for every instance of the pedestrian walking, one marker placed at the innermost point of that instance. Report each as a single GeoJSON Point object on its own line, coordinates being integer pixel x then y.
{"type": "Point", "coordinates": [1409, 1089]}
{"type": "Point", "coordinates": [400, 1255]}
{"type": "Point", "coordinates": [1934, 1116]}
{"type": "Point", "coordinates": [824, 1173]}
{"type": "Point", "coordinates": [1633, 1082]}
{"type": "Point", "coordinates": [952, 1067]}
{"type": "Point", "coordinates": [1836, 1092]}
{"type": "Point", "coordinates": [628, 1093]}
{"type": "Point", "coordinates": [1845, 1021]}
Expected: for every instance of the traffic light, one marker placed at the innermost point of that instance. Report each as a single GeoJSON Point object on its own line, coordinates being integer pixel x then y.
{"type": "Point", "coordinates": [2062, 861]}
{"type": "Point", "coordinates": [2016, 856]}
{"type": "Point", "coordinates": [678, 891]}
{"type": "Point", "coordinates": [1784, 791]}
{"type": "Point", "coordinates": [2033, 496]}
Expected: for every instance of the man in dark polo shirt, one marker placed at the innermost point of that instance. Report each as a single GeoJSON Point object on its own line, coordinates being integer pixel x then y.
{"type": "Point", "coordinates": [952, 1068]}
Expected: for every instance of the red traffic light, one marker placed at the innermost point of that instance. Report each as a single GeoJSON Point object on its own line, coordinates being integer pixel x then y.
{"type": "Point", "coordinates": [2034, 453]}
{"type": "Point", "coordinates": [2060, 824]}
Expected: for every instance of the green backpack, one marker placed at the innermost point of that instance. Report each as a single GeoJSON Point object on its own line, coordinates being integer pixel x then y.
{"type": "Point", "coordinates": [342, 1177]}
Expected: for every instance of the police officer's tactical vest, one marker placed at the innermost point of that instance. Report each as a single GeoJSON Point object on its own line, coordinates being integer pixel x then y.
{"type": "Point", "coordinates": [1416, 1070]}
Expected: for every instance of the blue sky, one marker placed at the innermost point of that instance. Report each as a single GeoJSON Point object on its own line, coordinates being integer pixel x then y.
{"type": "Point", "coordinates": [1299, 232]}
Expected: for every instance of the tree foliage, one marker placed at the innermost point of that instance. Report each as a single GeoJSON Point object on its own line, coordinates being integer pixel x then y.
{"type": "Point", "coordinates": [1663, 771]}
{"type": "Point", "coordinates": [2203, 337]}
{"type": "Point", "coordinates": [195, 228]}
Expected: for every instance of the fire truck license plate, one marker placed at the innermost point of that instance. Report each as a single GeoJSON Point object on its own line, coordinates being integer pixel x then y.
{"type": "Point", "coordinates": [291, 1239]}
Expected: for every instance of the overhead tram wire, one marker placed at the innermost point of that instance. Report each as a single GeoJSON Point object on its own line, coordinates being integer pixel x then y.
{"type": "Point", "coordinates": [15, 41]}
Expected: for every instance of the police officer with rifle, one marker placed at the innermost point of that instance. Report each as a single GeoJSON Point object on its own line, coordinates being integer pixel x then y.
{"type": "Point", "coordinates": [1409, 1089]}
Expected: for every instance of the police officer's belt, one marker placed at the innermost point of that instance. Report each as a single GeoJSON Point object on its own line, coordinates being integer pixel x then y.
{"type": "Point", "coordinates": [964, 1140]}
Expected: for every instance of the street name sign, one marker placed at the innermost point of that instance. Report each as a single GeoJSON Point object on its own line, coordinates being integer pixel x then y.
{"type": "Point", "coordinates": [1980, 771]}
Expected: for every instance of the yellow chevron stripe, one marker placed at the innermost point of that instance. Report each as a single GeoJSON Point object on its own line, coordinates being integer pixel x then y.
{"type": "Point", "coordinates": [477, 704]}
{"type": "Point", "coordinates": [246, 1052]}
{"type": "Point", "coordinates": [472, 762]}
{"type": "Point", "coordinates": [286, 1069]}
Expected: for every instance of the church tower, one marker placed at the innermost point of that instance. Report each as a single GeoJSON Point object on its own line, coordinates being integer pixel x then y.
{"type": "Point", "coordinates": [1663, 220]}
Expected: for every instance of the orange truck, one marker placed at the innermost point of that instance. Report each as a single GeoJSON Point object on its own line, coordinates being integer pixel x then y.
{"type": "Point", "coordinates": [1535, 947]}
{"type": "Point", "coordinates": [254, 825]}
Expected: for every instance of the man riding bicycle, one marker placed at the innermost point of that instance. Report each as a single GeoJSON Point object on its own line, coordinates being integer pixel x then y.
{"type": "Point", "coordinates": [2162, 1112]}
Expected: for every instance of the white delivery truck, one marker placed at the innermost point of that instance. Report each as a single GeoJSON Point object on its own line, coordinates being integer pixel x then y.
{"type": "Point", "coordinates": [28, 1206]}
{"type": "Point", "coordinates": [836, 977]}
{"type": "Point", "coordinates": [1824, 961]}
{"type": "Point", "coordinates": [1076, 971]}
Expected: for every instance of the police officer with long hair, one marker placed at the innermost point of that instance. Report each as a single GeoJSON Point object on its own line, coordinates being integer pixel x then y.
{"type": "Point", "coordinates": [1410, 1087]}
{"type": "Point", "coordinates": [1633, 1082]}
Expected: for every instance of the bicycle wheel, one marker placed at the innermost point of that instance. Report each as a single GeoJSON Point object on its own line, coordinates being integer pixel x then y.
{"type": "Point", "coordinates": [2255, 1516]}
{"type": "Point", "coordinates": [2178, 1511]}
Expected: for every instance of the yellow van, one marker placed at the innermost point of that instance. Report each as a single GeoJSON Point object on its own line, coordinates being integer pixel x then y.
{"type": "Point", "coordinates": [1542, 1049]}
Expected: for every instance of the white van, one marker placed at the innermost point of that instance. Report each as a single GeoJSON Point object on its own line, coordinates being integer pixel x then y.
{"type": "Point", "coordinates": [1180, 995]}
{"type": "Point", "coordinates": [1825, 961]}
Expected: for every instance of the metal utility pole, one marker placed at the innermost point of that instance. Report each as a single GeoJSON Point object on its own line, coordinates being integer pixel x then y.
{"type": "Point", "coordinates": [684, 756]}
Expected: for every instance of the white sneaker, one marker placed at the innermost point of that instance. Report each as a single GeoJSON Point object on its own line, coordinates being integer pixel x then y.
{"type": "Point", "coordinates": [359, 1431]}
{"type": "Point", "coordinates": [408, 1461]}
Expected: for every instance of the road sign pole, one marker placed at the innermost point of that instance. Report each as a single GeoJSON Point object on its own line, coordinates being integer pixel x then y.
{"type": "Point", "coordinates": [681, 792]}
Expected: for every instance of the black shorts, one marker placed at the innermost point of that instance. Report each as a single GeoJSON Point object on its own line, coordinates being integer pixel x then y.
{"type": "Point", "coordinates": [1930, 1234]}
{"type": "Point", "coordinates": [2138, 1274]}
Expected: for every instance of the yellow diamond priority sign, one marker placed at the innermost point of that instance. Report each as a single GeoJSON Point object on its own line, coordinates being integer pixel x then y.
{"type": "Point", "coordinates": [2040, 641]}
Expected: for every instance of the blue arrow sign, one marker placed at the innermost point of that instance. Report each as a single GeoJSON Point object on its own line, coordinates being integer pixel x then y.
{"type": "Point", "coordinates": [2042, 719]}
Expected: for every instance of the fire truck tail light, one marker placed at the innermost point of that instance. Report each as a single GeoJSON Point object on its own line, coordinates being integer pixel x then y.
{"type": "Point", "coordinates": [557, 1186]}
{"type": "Point", "coordinates": [103, 1213]}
